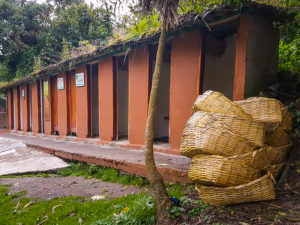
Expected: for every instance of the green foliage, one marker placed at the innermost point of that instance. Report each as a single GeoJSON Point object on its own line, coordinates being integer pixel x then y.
{"type": "Point", "coordinates": [289, 47]}
{"type": "Point", "coordinates": [33, 35]}
{"type": "Point", "coordinates": [15, 209]}
{"type": "Point", "coordinates": [66, 51]}
{"type": "Point", "coordinates": [201, 6]}
{"type": "Point", "coordinates": [103, 173]}
{"type": "Point", "coordinates": [142, 24]}
{"type": "Point", "coordinates": [141, 212]}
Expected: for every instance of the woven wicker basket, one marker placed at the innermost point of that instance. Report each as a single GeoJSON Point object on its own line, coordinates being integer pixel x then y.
{"type": "Point", "coordinates": [217, 170]}
{"type": "Point", "coordinates": [258, 190]}
{"type": "Point", "coordinates": [213, 141]}
{"type": "Point", "coordinates": [266, 110]}
{"type": "Point", "coordinates": [253, 131]}
{"type": "Point", "coordinates": [277, 138]}
{"type": "Point", "coordinates": [212, 101]}
{"type": "Point", "coordinates": [276, 169]}
{"type": "Point", "coordinates": [277, 155]}
{"type": "Point", "coordinates": [287, 121]}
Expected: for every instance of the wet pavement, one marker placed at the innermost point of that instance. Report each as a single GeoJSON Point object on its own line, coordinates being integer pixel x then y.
{"type": "Point", "coordinates": [173, 168]}
{"type": "Point", "coordinates": [17, 158]}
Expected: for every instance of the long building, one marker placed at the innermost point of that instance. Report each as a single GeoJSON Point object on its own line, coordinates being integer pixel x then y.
{"type": "Point", "coordinates": [104, 94]}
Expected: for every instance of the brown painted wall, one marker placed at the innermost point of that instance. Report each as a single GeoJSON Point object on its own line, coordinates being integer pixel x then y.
{"type": "Point", "coordinates": [36, 115]}
{"type": "Point", "coordinates": [185, 80]}
{"type": "Point", "coordinates": [240, 59]}
{"type": "Point", "coordinates": [10, 110]}
{"type": "Point", "coordinates": [17, 124]}
{"type": "Point", "coordinates": [82, 112]}
{"type": "Point", "coordinates": [138, 94]}
{"type": "Point", "coordinates": [106, 99]}
{"type": "Point", "coordinates": [25, 108]}
{"type": "Point", "coordinates": [63, 107]}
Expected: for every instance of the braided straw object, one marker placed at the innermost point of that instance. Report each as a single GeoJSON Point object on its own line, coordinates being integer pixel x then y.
{"type": "Point", "coordinates": [217, 170]}
{"type": "Point", "coordinates": [276, 169]}
{"type": "Point", "coordinates": [258, 190]}
{"type": "Point", "coordinates": [277, 155]}
{"type": "Point", "coordinates": [277, 137]}
{"type": "Point", "coordinates": [205, 134]}
{"type": "Point", "coordinates": [287, 121]}
{"type": "Point", "coordinates": [251, 130]}
{"type": "Point", "coordinates": [211, 101]}
{"type": "Point", "coordinates": [266, 110]}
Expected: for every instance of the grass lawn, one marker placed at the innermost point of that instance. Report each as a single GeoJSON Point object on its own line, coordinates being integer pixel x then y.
{"type": "Point", "coordinates": [130, 209]}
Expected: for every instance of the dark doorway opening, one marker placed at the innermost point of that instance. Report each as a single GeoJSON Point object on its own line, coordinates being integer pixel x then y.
{"type": "Point", "coordinates": [161, 123]}
{"type": "Point", "coordinates": [94, 100]}
{"type": "Point", "coordinates": [122, 81]}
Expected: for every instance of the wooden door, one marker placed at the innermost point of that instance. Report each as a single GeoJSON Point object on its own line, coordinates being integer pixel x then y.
{"type": "Point", "coordinates": [72, 101]}
{"type": "Point", "coordinates": [54, 103]}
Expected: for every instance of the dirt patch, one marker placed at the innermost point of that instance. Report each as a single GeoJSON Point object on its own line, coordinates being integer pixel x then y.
{"type": "Point", "coordinates": [50, 187]}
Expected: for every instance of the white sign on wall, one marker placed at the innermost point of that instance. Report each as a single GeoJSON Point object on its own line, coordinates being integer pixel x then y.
{"type": "Point", "coordinates": [23, 93]}
{"type": "Point", "coordinates": [60, 83]}
{"type": "Point", "coordinates": [79, 79]}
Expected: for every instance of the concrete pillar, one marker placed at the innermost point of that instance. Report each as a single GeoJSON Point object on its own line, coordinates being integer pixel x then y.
{"type": "Point", "coordinates": [25, 107]}
{"type": "Point", "coordinates": [47, 109]}
{"type": "Point", "coordinates": [62, 105]}
{"type": "Point", "coordinates": [36, 115]}
{"type": "Point", "coordinates": [106, 99]}
{"type": "Point", "coordinates": [138, 94]}
{"type": "Point", "coordinates": [82, 106]}
{"type": "Point", "coordinates": [10, 109]}
{"type": "Point", "coordinates": [241, 59]}
{"type": "Point", "coordinates": [185, 81]}
{"type": "Point", "coordinates": [17, 124]}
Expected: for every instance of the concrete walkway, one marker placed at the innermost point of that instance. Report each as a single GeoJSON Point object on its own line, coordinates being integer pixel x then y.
{"type": "Point", "coordinates": [173, 168]}
{"type": "Point", "coordinates": [17, 158]}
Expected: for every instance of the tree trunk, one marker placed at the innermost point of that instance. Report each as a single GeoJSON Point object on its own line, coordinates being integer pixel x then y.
{"type": "Point", "coordinates": [157, 184]}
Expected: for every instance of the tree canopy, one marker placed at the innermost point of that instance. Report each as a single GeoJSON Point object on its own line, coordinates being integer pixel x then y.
{"type": "Point", "coordinates": [33, 35]}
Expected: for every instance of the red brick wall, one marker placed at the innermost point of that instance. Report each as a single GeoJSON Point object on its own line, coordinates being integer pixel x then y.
{"type": "Point", "coordinates": [138, 94]}
{"type": "Point", "coordinates": [106, 99]}
{"type": "Point", "coordinates": [82, 112]}
{"type": "Point", "coordinates": [36, 112]}
{"type": "Point", "coordinates": [185, 81]}
{"type": "Point", "coordinates": [63, 107]}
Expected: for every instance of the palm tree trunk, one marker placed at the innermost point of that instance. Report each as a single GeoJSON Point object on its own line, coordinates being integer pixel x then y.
{"type": "Point", "coordinates": [157, 185]}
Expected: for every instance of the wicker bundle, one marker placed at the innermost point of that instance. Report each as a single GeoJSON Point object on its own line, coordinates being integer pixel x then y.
{"type": "Point", "coordinates": [216, 102]}
{"type": "Point", "coordinates": [251, 130]}
{"type": "Point", "coordinates": [277, 138]}
{"type": "Point", "coordinates": [266, 110]}
{"type": "Point", "coordinates": [257, 190]}
{"type": "Point", "coordinates": [227, 143]}
{"type": "Point", "coordinates": [287, 121]}
{"type": "Point", "coordinates": [217, 170]}
{"type": "Point", "coordinates": [214, 141]}
{"type": "Point", "coordinates": [277, 155]}
{"type": "Point", "coordinates": [276, 169]}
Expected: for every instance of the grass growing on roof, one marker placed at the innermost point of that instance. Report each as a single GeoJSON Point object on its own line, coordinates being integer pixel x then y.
{"type": "Point", "coordinates": [130, 209]}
